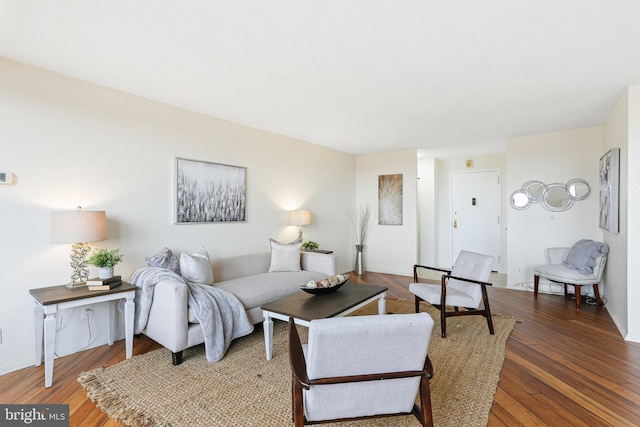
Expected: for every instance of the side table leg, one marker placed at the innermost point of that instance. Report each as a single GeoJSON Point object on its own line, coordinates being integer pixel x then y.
{"type": "Point", "coordinates": [267, 326]}
{"type": "Point", "coordinates": [38, 313]}
{"type": "Point", "coordinates": [112, 322]}
{"type": "Point", "coordinates": [382, 304]}
{"type": "Point", "coordinates": [129, 309]}
{"type": "Point", "coordinates": [49, 347]}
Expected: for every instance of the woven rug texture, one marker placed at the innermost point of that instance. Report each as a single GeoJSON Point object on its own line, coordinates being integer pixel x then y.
{"type": "Point", "coordinates": [244, 389]}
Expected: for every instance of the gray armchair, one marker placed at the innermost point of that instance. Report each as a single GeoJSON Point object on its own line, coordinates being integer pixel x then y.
{"type": "Point", "coordinates": [557, 272]}
{"type": "Point", "coordinates": [361, 367]}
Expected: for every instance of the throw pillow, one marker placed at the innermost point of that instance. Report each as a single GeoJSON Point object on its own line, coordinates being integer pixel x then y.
{"type": "Point", "coordinates": [285, 256]}
{"type": "Point", "coordinates": [196, 268]}
{"type": "Point", "coordinates": [583, 254]}
{"type": "Point", "coordinates": [164, 259]}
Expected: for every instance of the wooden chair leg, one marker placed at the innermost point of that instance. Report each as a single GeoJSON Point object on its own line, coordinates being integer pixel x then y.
{"type": "Point", "coordinates": [417, 299]}
{"type": "Point", "coordinates": [536, 281]}
{"type": "Point", "coordinates": [298, 405]}
{"type": "Point", "coordinates": [596, 292]}
{"type": "Point", "coordinates": [577, 293]}
{"type": "Point", "coordinates": [487, 309]}
{"type": "Point", "coordinates": [443, 309]}
{"type": "Point", "coordinates": [424, 413]}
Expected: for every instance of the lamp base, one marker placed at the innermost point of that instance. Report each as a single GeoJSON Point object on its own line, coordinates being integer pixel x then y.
{"type": "Point", "coordinates": [76, 285]}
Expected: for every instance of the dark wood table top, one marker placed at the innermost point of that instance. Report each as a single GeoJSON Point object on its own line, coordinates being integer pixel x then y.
{"type": "Point", "coordinates": [308, 307]}
{"type": "Point", "coordinates": [59, 294]}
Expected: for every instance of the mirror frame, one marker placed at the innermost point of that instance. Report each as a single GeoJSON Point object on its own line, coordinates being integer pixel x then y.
{"type": "Point", "coordinates": [554, 187]}
{"type": "Point", "coordinates": [527, 186]}
{"type": "Point", "coordinates": [575, 181]}
{"type": "Point", "coordinates": [529, 190]}
{"type": "Point", "coordinates": [526, 198]}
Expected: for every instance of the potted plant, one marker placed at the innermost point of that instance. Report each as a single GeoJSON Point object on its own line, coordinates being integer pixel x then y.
{"type": "Point", "coordinates": [310, 245]}
{"type": "Point", "coordinates": [105, 260]}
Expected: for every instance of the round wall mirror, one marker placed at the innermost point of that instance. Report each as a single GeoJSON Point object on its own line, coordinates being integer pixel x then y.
{"type": "Point", "coordinates": [533, 190]}
{"type": "Point", "coordinates": [519, 200]}
{"type": "Point", "coordinates": [578, 189]}
{"type": "Point", "coordinates": [555, 198]}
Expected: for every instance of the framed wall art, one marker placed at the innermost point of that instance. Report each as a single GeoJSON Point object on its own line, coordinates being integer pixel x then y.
{"type": "Point", "coordinates": [209, 192]}
{"type": "Point", "coordinates": [390, 199]}
{"type": "Point", "coordinates": [610, 190]}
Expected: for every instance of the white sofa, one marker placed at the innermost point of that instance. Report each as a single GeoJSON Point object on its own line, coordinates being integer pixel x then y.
{"type": "Point", "coordinates": [172, 324]}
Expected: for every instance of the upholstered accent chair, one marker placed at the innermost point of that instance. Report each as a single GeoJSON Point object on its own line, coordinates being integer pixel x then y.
{"type": "Point", "coordinates": [361, 367]}
{"type": "Point", "coordinates": [556, 271]}
{"type": "Point", "coordinates": [463, 286]}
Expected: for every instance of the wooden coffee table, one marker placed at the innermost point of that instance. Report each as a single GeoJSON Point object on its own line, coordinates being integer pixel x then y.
{"type": "Point", "coordinates": [304, 307]}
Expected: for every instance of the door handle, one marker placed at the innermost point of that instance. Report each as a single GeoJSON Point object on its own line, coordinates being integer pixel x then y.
{"type": "Point", "coordinates": [455, 223]}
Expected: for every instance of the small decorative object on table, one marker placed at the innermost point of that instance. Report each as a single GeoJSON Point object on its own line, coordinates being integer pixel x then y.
{"type": "Point", "coordinates": [97, 284]}
{"type": "Point", "coordinates": [310, 245]}
{"type": "Point", "coordinates": [325, 286]}
{"type": "Point", "coordinates": [105, 260]}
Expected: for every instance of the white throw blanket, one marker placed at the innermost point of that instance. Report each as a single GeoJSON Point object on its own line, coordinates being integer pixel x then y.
{"type": "Point", "coordinates": [221, 315]}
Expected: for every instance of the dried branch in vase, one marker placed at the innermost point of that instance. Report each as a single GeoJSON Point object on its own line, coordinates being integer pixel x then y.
{"type": "Point", "coordinates": [361, 223]}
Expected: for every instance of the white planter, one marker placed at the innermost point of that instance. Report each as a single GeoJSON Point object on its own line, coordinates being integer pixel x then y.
{"type": "Point", "coordinates": [105, 272]}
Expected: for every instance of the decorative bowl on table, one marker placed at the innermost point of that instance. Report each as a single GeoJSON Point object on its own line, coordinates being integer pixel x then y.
{"type": "Point", "coordinates": [326, 286]}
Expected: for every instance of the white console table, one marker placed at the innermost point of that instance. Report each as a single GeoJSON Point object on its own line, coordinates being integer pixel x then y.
{"type": "Point", "coordinates": [50, 300]}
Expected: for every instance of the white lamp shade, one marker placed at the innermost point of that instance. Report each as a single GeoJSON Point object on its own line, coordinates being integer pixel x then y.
{"type": "Point", "coordinates": [300, 217]}
{"type": "Point", "coordinates": [78, 226]}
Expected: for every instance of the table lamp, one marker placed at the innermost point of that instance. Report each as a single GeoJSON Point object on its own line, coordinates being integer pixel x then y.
{"type": "Point", "coordinates": [78, 227]}
{"type": "Point", "coordinates": [300, 217]}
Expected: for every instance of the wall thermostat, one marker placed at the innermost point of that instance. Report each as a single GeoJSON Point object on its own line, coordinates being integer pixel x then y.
{"type": "Point", "coordinates": [6, 177]}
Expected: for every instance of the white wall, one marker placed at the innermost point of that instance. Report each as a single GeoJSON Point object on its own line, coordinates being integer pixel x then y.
{"type": "Point", "coordinates": [632, 181]}
{"type": "Point", "coordinates": [444, 169]}
{"type": "Point", "coordinates": [71, 143]}
{"type": "Point", "coordinates": [391, 248]}
{"type": "Point", "coordinates": [551, 157]}
{"type": "Point", "coordinates": [427, 220]}
{"type": "Point", "coordinates": [622, 130]}
{"type": "Point", "coordinates": [616, 135]}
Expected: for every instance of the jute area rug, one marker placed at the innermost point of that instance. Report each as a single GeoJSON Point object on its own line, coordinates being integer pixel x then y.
{"type": "Point", "coordinates": [244, 389]}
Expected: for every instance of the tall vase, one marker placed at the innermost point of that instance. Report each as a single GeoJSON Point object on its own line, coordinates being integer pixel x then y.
{"type": "Point", "coordinates": [359, 267]}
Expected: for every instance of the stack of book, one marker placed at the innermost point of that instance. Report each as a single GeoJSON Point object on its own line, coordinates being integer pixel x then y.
{"type": "Point", "coordinates": [104, 284]}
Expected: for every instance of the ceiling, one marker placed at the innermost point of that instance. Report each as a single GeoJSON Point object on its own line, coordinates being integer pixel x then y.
{"type": "Point", "coordinates": [450, 78]}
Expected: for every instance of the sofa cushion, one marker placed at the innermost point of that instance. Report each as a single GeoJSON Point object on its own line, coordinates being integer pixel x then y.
{"type": "Point", "coordinates": [196, 268]}
{"type": "Point", "coordinates": [259, 289]}
{"type": "Point", "coordinates": [285, 256]}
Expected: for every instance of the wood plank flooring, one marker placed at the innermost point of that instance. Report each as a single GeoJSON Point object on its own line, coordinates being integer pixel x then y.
{"type": "Point", "coordinates": [562, 367]}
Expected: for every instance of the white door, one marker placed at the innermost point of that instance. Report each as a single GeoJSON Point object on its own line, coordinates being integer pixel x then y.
{"type": "Point", "coordinates": [476, 213]}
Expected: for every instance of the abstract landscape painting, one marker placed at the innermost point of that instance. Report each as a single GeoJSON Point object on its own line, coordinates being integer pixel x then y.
{"type": "Point", "coordinates": [609, 190]}
{"type": "Point", "coordinates": [209, 192]}
{"type": "Point", "coordinates": [390, 199]}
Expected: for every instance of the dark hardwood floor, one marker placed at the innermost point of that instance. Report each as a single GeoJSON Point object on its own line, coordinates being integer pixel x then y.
{"type": "Point", "coordinates": [562, 367]}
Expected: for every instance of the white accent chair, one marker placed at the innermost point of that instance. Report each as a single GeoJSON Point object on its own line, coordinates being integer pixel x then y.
{"type": "Point", "coordinates": [361, 367]}
{"type": "Point", "coordinates": [463, 286]}
{"type": "Point", "coordinates": [557, 272]}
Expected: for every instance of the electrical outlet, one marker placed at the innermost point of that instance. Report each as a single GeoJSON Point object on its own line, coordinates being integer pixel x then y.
{"type": "Point", "coordinates": [86, 311]}
{"type": "Point", "coordinates": [519, 269]}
